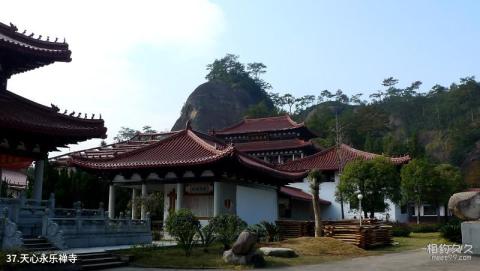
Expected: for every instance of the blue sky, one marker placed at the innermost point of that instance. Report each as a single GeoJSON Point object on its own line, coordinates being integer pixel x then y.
{"type": "Point", "coordinates": [138, 64]}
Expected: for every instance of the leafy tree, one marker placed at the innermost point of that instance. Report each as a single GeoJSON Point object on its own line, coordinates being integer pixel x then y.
{"type": "Point", "coordinates": [303, 102]}
{"type": "Point", "coordinates": [261, 110]}
{"type": "Point", "coordinates": [326, 94]}
{"type": "Point", "coordinates": [183, 226]}
{"type": "Point", "coordinates": [227, 227]}
{"type": "Point", "coordinates": [416, 183]}
{"type": "Point", "coordinates": [341, 97]}
{"type": "Point", "coordinates": [256, 69]}
{"type": "Point", "coordinates": [448, 180]}
{"type": "Point", "coordinates": [290, 101]}
{"type": "Point", "coordinates": [376, 179]}
{"type": "Point", "coordinates": [315, 177]}
{"type": "Point", "coordinates": [127, 133]}
{"type": "Point", "coordinates": [124, 134]}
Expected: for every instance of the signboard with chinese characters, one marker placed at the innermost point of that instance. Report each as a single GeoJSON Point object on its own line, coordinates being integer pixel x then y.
{"type": "Point", "coordinates": [199, 188]}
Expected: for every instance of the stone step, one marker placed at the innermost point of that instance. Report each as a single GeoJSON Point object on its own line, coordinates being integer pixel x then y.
{"type": "Point", "coordinates": [99, 260]}
{"type": "Point", "coordinates": [39, 244]}
{"type": "Point", "coordinates": [91, 255]}
{"type": "Point", "coordinates": [104, 265]}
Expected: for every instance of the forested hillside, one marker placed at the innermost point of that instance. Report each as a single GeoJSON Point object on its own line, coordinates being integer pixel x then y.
{"type": "Point", "coordinates": [440, 123]}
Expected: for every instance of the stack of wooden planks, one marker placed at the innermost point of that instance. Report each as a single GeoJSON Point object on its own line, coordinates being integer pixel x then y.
{"type": "Point", "coordinates": [370, 234]}
{"type": "Point", "coordinates": [294, 228]}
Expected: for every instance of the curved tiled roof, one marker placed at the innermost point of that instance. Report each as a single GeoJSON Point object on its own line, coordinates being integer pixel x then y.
{"type": "Point", "coordinates": [179, 149]}
{"type": "Point", "coordinates": [280, 123]}
{"type": "Point", "coordinates": [38, 51]}
{"type": "Point", "coordinates": [182, 148]}
{"type": "Point", "coordinates": [329, 159]}
{"type": "Point", "coordinates": [299, 194]}
{"type": "Point", "coordinates": [270, 145]}
{"type": "Point", "coordinates": [22, 115]}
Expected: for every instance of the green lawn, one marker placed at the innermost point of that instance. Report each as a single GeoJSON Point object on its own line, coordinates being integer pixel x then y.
{"type": "Point", "coordinates": [415, 241]}
{"type": "Point", "coordinates": [312, 251]}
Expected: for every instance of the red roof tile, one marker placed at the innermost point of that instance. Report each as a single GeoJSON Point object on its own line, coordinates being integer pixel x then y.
{"type": "Point", "coordinates": [329, 159]}
{"type": "Point", "coordinates": [299, 194]}
{"type": "Point", "coordinates": [280, 123]}
{"type": "Point", "coordinates": [180, 149]}
{"type": "Point", "coordinates": [285, 144]}
{"type": "Point", "coordinates": [22, 115]}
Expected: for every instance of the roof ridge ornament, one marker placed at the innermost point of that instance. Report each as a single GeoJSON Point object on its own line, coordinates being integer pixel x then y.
{"type": "Point", "coordinates": [188, 125]}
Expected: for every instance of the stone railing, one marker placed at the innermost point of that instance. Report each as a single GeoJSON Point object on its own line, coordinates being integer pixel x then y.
{"type": "Point", "coordinates": [22, 205]}
{"type": "Point", "coordinates": [10, 237]}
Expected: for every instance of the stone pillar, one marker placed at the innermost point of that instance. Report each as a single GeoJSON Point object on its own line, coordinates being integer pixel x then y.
{"type": "Point", "coordinates": [134, 203]}
{"type": "Point", "coordinates": [179, 201]}
{"type": "Point", "coordinates": [217, 198]}
{"type": "Point", "coordinates": [143, 208]}
{"type": "Point", "coordinates": [111, 201]}
{"type": "Point", "coordinates": [38, 183]}
{"type": "Point", "coordinates": [279, 159]}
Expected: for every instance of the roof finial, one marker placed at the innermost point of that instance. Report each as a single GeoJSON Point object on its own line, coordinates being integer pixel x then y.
{"type": "Point", "coordinates": [188, 125]}
{"type": "Point", "coordinates": [14, 27]}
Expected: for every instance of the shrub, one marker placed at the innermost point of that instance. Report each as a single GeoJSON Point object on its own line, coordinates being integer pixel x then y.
{"type": "Point", "coordinates": [258, 230]}
{"type": "Point", "coordinates": [452, 231]}
{"type": "Point", "coordinates": [207, 235]}
{"type": "Point", "coordinates": [401, 230]}
{"type": "Point", "coordinates": [227, 227]}
{"type": "Point", "coordinates": [183, 225]}
{"type": "Point", "coordinates": [272, 230]}
{"type": "Point", "coordinates": [424, 228]}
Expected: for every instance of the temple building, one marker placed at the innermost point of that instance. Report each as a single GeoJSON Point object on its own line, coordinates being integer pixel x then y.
{"type": "Point", "coordinates": [330, 162]}
{"type": "Point", "coordinates": [28, 130]}
{"type": "Point", "coordinates": [192, 170]}
{"type": "Point", "coordinates": [276, 140]}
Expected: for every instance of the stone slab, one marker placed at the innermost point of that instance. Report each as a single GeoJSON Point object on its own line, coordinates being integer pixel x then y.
{"type": "Point", "coordinates": [471, 235]}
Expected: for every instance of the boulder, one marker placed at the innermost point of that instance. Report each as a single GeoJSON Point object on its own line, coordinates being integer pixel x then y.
{"type": "Point", "coordinates": [245, 243]}
{"type": "Point", "coordinates": [254, 258]}
{"type": "Point", "coordinates": [465, 205]}
{"type": "Point", "coordinates": [278, 252]}
{"type": "Point", "coordinates": [232, 258]}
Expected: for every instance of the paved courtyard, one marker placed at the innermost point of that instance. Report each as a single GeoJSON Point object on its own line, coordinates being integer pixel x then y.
{"type": "Point", "coordinates": [405, 261]}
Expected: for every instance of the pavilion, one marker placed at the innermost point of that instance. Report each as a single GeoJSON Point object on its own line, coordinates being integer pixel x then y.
{"type": "Point", "coordinates": [193, 170]}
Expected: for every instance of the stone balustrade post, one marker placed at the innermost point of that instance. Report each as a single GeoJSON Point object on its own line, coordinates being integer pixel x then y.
{"type": "Point", "coordinates": [45, 221]}
{"type": "Point", "coordinates": [51, 201]}
{"type": "Point", "coordinates": [78, 220]}
{"type": "Point", "coordinates": [148, 221]}
{"type": "Point", "coordinates": [129, 220]}
{"type": "Point", "coordinates": [101, 209]}
{"type": "Point", "coordinates": [106, 219]}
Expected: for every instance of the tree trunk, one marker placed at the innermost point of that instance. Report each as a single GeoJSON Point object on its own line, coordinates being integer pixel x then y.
{"type": "Point", "coordinates": [316, 209]}
{"type": "Point", "coordinates": [372, 214]}
{"type": "Point", "coordinates": [437, 206]}
{"type": "Point", "coordinates": [365, 214]}
{"type": "Point", "coordinates": [418, 213]}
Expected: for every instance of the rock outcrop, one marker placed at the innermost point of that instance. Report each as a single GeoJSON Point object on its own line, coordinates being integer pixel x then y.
{"type": "Point", "coordinates": [243, 251]}
{"type": "Point", "coordinates": [465, 205]}
{"type": "Point", "coordinates": [216, 105]}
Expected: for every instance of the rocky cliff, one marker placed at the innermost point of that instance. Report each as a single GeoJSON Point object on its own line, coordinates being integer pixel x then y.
{"type": "Point", "coordinates": [215, 105]}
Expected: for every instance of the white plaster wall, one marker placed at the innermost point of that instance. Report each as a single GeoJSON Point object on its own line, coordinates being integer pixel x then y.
{"type": "Point", "coordinates": [334, 211]}
{"type": "Point", "coordinates": [255, 204]}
